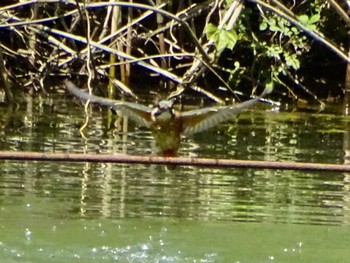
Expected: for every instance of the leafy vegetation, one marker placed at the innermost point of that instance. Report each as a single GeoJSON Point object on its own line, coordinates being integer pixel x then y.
{"type": "Point", "coordinates": [299, 47]}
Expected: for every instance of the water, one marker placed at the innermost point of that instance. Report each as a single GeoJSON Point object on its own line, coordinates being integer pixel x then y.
{"type": "Point", "coordinates": [82, 212]}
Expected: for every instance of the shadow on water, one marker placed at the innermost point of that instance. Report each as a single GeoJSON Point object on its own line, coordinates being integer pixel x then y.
{"type": "Point", "coordinates": [77, 212]}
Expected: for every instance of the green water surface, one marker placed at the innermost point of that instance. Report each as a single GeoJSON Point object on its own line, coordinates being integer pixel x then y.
{"type": "Point", "coordinates": [83, 212]}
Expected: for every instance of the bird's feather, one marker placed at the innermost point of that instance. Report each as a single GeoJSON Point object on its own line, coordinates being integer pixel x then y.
{"type": "Point", "coordinates": [202, 119]}
{"type": "Point", "coordinates": [136, 112]}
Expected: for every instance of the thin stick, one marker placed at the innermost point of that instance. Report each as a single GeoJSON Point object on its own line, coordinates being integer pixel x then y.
{"type": "Point", "coordinates": [4, 79]}
{"type": "Point", "coordinates": [206, 162]}
{"type": "Point", "coordinates": [312, 33]}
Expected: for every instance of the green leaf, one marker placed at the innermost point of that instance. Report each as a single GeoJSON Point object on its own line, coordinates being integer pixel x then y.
{"type": "Point", "coordinates": [263, 26]}
{"type": "Point", "coordinates": [274, 52]}
{"type": "Point", "coordinates": [269, 85]}
{"type": "Point", "coordinates": [211, 30]}
{"type": "Point", "coordinates": [309, 23]}
{"type": "Point", "coordinates": [274, 28]}
{"type": "Point", "coordinates": [295, 30]}
{"type": "Point", "coordinates": [311, 27]}
{"type": "Point", "coordinates": [281, 23]}
{"type": "Point", "coordinates": [286, 31]}
{"type": "Point", "coordinates": [314, 19]}
{"type": "Point", "coordinates": [292, 61]}
{"type": "Point", "coordinates": [304, 19]}
{"type": "Point", "coordinates": [230, 38]}
{"type": "Point", "coordinates": [221, 37]}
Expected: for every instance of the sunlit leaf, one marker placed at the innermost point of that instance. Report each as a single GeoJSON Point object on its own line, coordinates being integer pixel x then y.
{"type": "Point", "coordinates": [304, 19]}
{"type": "Point", "coordinates": [274, 28]}
{"type": "Point", "coordinates": [263, 26]}
{"type": "Point", "coordinates": [230, 38]}
{"type": "Point", "coordinates": [211, 30]}
{"type": "Point", "coordinates": [221, 37]}
{"type": "Point", "coordinates": [314, 19]}
{"type": "Point", "coordinates": [311, 27]}
{"type": "Point", "coordinates": [292, 61]}
{"type": "Point", "coordinates": [269, 86]}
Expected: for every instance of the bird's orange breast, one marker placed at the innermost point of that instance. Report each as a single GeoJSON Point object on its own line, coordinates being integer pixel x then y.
{"type": "Point", "coordinates": [167, 135]}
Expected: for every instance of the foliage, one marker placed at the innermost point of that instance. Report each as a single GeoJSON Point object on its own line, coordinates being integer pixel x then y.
{"type": "Point", "coordinates": [222, 38]}
{"type": "Point", "coordinates": [243, 46]}
{"type": "Point", "coordinates": [277, 45]}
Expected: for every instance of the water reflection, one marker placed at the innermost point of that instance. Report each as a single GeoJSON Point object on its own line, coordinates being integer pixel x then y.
{"type": "Point", "coordinates": [139, 213]}
{"type": "Point", "coordinates": [119, 191]}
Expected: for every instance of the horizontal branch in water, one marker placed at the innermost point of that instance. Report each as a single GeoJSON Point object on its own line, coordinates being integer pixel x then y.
{"type": "Point", "coordinates": [206, 162]}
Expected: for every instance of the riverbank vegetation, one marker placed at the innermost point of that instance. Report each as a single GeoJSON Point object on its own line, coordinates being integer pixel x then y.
{"type": "Point", "coordinates": [215, 49]}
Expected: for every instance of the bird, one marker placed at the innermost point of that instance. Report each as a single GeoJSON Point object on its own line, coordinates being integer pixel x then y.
{"type": "Point", "coordinates": [168, 125]}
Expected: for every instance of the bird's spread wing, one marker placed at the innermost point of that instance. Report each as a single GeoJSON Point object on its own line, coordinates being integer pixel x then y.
{"type": "Point", "coordinates": [202, 119]}
{"type": "Point", "coordinates": [136, 112]}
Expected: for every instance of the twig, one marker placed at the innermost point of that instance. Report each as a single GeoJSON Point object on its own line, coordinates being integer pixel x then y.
{"type": "Point", "coordinates": [312, 33]}
{"type": "Point", "coordinates": [340, 11]}
{"type": "Point", "coordinates": [128, 159]}
{"type": "Point", "coordinates": [114, 51]}
{"type": "Point", "coordinates": [4, 79]}
{"type": "Point", "coordinates": [162, 12]}
{"type": "Point", "coordinates": [34, 21]}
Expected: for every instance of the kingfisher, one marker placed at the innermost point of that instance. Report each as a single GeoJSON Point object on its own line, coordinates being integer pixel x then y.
{"type": "Point", "coordinates": [167, 124]}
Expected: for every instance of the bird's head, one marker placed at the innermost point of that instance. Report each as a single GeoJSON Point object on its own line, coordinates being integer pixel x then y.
{"type": "Point", "coordinates": [163, 111]}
